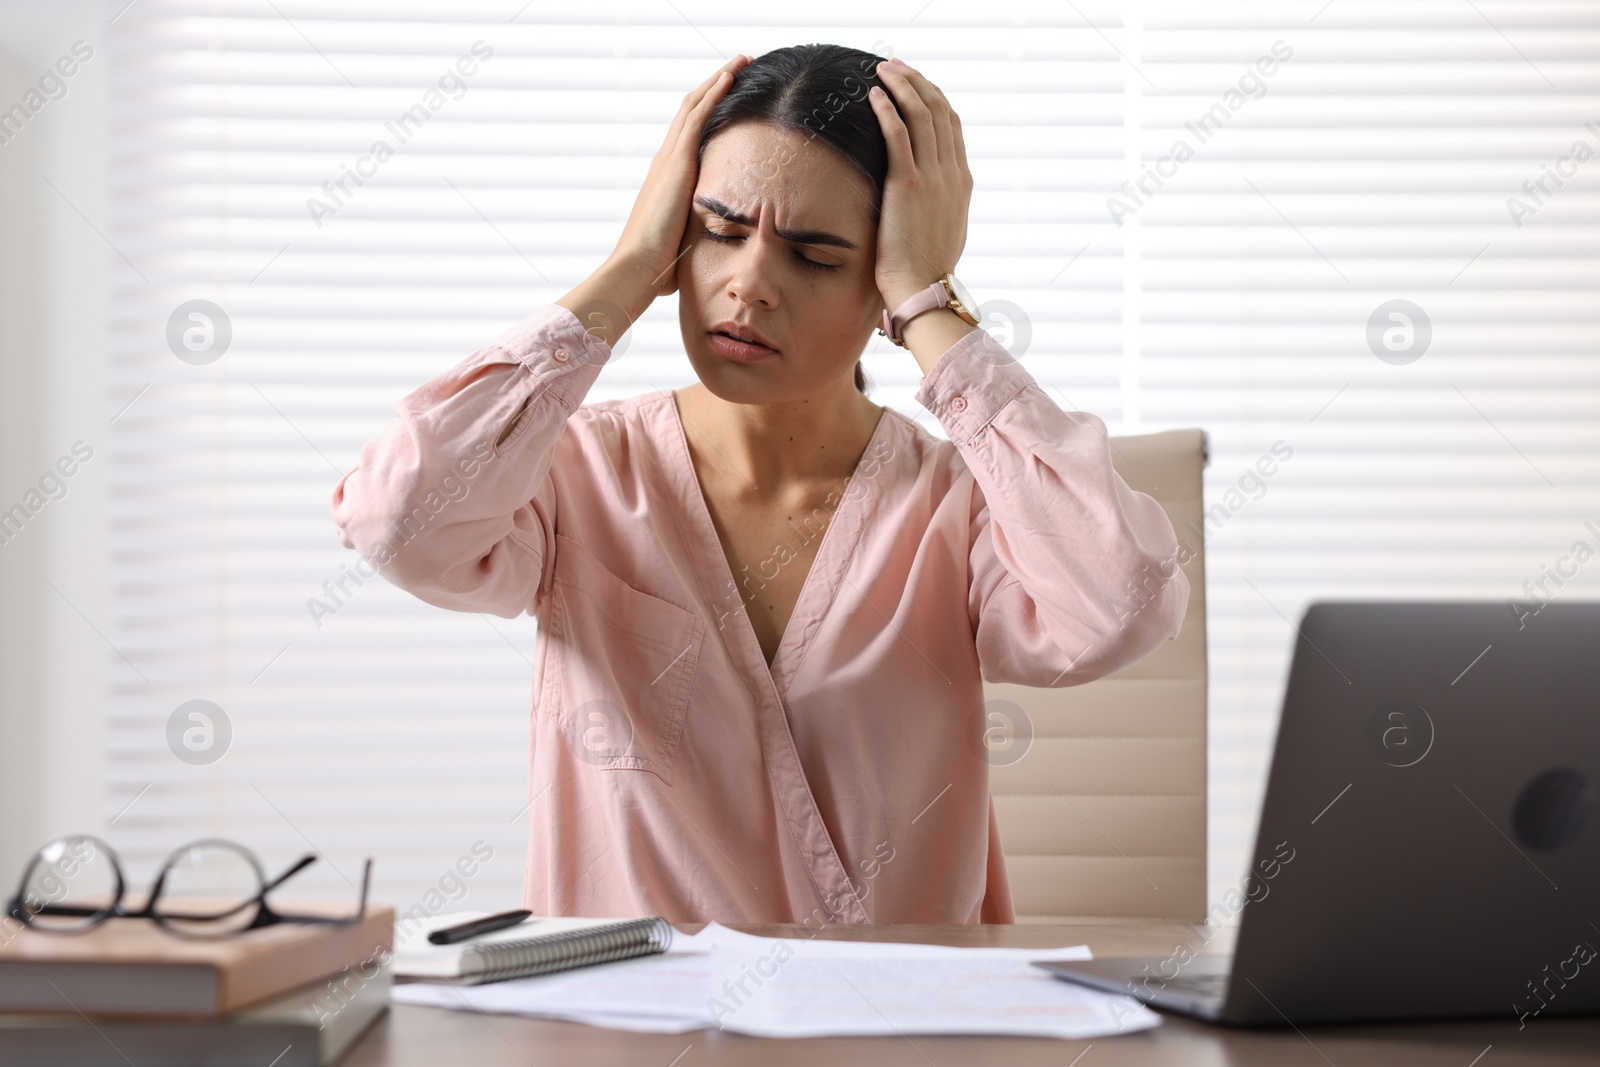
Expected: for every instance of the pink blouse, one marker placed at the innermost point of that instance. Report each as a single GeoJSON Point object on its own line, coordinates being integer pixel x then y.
{"type": "Point", "coordinates": [672, 772]}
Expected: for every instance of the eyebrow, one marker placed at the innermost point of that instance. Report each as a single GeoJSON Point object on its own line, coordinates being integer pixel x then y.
{"type": "Point", "coordinates": [799, 237]}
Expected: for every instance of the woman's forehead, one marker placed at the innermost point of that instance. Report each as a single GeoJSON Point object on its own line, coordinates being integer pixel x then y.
{"type": "Point", "coordinates": [757, 170]}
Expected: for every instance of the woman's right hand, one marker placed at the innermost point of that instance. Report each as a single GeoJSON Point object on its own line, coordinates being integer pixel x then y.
{"type": "Point", "coordinates": [652, 239]}
{"type": "Point", "coordinates": [644, 264]}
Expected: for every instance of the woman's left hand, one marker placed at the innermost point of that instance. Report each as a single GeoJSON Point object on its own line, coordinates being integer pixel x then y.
{"type": "Point", "coordinates": [923, 225]}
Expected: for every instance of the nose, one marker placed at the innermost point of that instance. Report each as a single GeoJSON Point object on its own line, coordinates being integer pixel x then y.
{"type": "Point", "coordinates": [753, 269]}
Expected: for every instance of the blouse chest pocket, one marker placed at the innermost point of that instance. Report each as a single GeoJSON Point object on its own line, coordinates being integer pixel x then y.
{"type": "Point", "coordinates": [621, 666]}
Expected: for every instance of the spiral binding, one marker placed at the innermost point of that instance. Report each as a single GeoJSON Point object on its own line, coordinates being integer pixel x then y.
{"type": "Point", "coordinates": [525, 957]}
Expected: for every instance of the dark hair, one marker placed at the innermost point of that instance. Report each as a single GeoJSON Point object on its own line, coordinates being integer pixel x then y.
{"type": "Point", "coordinates": [819, 90]}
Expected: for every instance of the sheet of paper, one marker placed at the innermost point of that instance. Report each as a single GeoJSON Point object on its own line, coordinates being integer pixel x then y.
{"type": "Point", "coordinates": [662, 993]}
{"type": "Point", "coordinates": [809, 986]}
{"type": "Point", "coordinates": [715, 934]}
{"type": "Point", "coordinates": [800, 987]}
{"type": "Point", "coordinates": [811, 995]}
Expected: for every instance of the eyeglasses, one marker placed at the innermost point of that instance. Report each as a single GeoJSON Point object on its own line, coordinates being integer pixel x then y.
{"type": "Point", "coordinates": [210, 888]}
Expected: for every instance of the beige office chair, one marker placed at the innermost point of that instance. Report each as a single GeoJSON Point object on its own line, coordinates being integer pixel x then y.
{"type": "Point", "coordinates": [1104, 814]}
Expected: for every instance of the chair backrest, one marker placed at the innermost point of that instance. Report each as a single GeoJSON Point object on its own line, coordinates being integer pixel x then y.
{"type": "Point", "coordinates": [1104, 813]}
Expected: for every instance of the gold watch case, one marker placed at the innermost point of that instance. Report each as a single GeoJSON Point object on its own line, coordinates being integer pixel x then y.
{"type": "Point", "coordinates": [961, 301]}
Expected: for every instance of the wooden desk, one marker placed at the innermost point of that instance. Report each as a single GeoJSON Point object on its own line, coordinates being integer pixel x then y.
{"type": "Point", "coordinates": [436, 1037]}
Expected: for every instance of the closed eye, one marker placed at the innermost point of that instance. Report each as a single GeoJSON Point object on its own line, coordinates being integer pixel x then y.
{"type": "Point", "coordinates": [724, 238]}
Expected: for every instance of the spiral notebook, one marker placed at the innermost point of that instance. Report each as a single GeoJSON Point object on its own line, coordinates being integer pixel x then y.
{"type": "Point", "coordinates": [538, 945]}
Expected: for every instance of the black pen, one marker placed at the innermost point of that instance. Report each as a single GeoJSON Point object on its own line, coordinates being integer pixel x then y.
{"type": "Point", "coordinates": [486, 925]}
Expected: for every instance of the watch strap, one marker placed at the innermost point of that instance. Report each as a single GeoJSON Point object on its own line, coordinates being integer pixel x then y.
{"type": "Point", "coordinates": [934, 296]}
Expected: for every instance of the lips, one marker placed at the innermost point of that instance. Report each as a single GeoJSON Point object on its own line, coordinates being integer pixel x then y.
{"type": "Point", "coordinates": [739, 332]}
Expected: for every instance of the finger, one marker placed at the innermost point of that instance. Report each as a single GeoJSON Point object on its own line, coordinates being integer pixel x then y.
{"type": "Point", "coordinates": [692, 98]}
{"type": "Point", "coordinates": [694, 122]}
{"type": "Point", "coordinates": [895, 134]}
{"type": "Point", "coordinates": [958, 143]}
{"type": "Point", "coordinates": [938, 112]}
{"type": "Point", "coordinates": [960, 146]}
{"type": "Point", "coordinates": [695, 96]}
{"type": "Point", "coordinates": [924, 138]}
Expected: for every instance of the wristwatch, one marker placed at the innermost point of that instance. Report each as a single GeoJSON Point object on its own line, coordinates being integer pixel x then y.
{"type": "Point", "coordinates": [946, 292]}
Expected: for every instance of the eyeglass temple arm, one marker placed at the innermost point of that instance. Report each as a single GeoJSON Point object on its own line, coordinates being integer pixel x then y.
{"type": "Point", "coordinates": [307, 860]}
{"type": "Point", "coordinates": [299, 865]}
{"type": "Point", "coordinates": [366, 882]}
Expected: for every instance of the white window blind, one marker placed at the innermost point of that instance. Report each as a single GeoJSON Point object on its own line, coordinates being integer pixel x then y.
{"type": "Point", "coordinates": [1371, 164]}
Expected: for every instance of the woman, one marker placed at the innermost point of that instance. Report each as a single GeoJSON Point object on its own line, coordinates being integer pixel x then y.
{"type": "Point", "coordinates": [766, 604]}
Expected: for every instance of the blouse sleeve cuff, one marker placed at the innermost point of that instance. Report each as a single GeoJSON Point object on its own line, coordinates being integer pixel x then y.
{"type": "Point", "coordinates": [552, 344]}
{"type": "Point", "coordinates": [970, 383]}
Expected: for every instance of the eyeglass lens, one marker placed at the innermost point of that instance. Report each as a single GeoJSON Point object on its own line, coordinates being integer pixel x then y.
{"type": "Point", "coordinates": [73, 883]}
{"type": "Point", "coordinates": [209, 888]}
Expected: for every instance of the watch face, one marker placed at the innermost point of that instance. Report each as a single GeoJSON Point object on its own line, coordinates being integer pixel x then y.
{"type": "Point", "coordinates": [961, 294]}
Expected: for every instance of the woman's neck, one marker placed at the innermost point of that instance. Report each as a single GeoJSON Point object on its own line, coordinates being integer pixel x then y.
{"type": "Point", "coordinates": [764, 451]}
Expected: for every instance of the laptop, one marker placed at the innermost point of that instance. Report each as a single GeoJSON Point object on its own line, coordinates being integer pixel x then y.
{"type": "Point", "coordinates": [1429, 845]}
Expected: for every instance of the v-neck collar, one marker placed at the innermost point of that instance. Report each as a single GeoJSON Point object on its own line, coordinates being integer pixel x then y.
{"type": "Point", "coordinates": [817, 591]}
